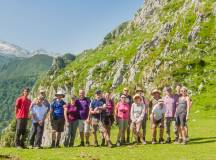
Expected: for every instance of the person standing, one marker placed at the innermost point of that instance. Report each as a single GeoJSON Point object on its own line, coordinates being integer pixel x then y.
{"type": "Point", "coordinates": [84, 125]}
{"type": "Point", "coordinates": [156, 95]}
{"type": "Point", "coordinates": [122, 112]}
{"type": "Point", "coordinates": [129, 100]}
{"type": "Point", "coordinates": [170, 109]}
{"type": "Point", "coordinates": [22, 110]}
{"type": "Point", "coordinates": [71, 115]}
{"type": "Point", "coordinates": [45, 101]}
{"type": "Point", "coordinates": [137, 115]}
{"type": "Point", "coordinates": [38, 113]}
{"type": "Point", "coordinates": [157, 120]}
{"type": "Point", "coordinates": [57, 118]}
{"type": "Point", "coordinates": [182, 114]}
{"type": "Point", "coordinates": [97, 113]}
{"type": "Point", "coordinates": [145, 101]}
{"type": "Point", "coordinates": [109, 116]}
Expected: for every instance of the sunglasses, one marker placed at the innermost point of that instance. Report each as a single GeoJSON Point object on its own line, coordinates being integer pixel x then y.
{"type": "Point", "coordinates": [123, 97]}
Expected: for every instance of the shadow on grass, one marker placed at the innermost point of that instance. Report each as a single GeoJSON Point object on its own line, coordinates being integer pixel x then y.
{"type": "Point", "coordinates": [202, 140]}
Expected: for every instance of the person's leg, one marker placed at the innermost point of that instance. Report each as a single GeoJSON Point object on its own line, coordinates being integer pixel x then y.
{"type": "Point", "coordinates": [139, 134]}
{"type": "Point", "coordinates": [81, 130]}
{"type": "Point", "coordinates": [32, 134]}
{"type": "Point", "coordinates": [161, 140]}
{"type": "Point", "coordinates": [53, 138]}
{"type": "Point", "coordinates": [128, 134]}
{"type": "Point", "coordinates": [95, 128]}
{"type": "Point", "coordinates": [58, 139]}
{"type": "Point", "coordinates": [24, 123]}
{"type": "Point", "coordinates": [39, 135]}
{"type": "Point", "coordinates": [175, 130]}
{"type": "Point", "coordinates": [183, 128]}
{"type": "Point", "coordinates": [144, 128]}
{"type": "Point", "coordinates": [154, 133]}
{"type": "Point", "coordinates": [168, 121]}
{"type": "Point", "coordinates": [87, 132]}
{"type": "Point", "coordinates": [125, 126]}
{"type": "Point", "coordinates": [74, 126]}
{"type": "Point", "coordinates": [67, 135]}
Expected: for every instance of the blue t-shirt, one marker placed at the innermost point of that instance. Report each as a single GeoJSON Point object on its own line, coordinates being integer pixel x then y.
{"type": "Point", "coordinates": [58, 109]}
{"type": "Point", "coordinates": [98, 103]}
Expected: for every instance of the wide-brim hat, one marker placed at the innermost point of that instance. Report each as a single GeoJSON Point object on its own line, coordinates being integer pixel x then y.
{"type": "Point", "coordinates": [138, 89]}
{"type": "Point", "coordinates": [160, 101]}
{"type": "Point", "coordinates": [60, 93]}
{"type": "Point", "coordinates": [137, 96]}
{"type": "Point", "coordinates": [156, 91]}
{"type": "Point", "coordinates": [42, 90]}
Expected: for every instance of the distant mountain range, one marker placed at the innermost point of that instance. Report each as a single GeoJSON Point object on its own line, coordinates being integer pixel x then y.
{"type": "Point", "coordinates": [18, 68]}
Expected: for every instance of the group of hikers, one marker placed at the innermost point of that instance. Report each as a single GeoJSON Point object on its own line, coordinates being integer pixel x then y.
{"type": "Point", "coordinates": [130, 114]}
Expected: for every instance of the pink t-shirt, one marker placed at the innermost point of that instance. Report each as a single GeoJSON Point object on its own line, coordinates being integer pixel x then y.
{"type": "Point", "coordinates": [170, 106]}
{"type": "Point", "coordinates": [123, 111]}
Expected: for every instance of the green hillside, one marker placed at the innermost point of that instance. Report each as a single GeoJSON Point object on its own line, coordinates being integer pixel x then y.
{"type": "Point", "coordinates": [15, 75]}
{"type": "Point", "coordinates": [167, 42]}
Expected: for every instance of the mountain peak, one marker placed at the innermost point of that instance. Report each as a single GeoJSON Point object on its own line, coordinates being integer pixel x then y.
{"type": "Point", "coordinates": [9, 49]}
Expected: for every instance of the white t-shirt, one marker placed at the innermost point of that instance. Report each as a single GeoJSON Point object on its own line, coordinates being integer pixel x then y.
{"type": "Point", "coordinates": [39, 112]}
{"type": "Point", "coordinates": [158, 111]}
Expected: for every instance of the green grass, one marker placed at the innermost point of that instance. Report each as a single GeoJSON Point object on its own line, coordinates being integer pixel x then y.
{"type": "Point", "coordinates": [202, 146]}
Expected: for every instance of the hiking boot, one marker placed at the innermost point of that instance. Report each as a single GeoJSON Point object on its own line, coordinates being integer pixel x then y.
{"type": "Point", "coordinates": [53, 144]}
{"type": "Point", "coordinates": [57, 144]}
{"type": "Point", "coordinates": [87, 144]}
{"type": "Point", "coordinates": [31, 147]}
{"type": "Point", "coordinates": [144, 141]}
{"type": "Point", "coordinates": [184, 142]}
{"type": "Point", "coordinates": [82, 144]}
{"type": "Point", "coordinates": [180, 141]}
{"type": "Point", "coordinates": [154, 141]}
{"type": "Point", "coordinates": [168, 140]}
{"type": "Point", "coordinates": [138, 140]}
{"type": "Point", "coordinates": [118, 143]}
{"type": "Point", "coordinates": [109, 144]}
{"type": "Point", "coordinates": [96, 144]}
{"type": "Point", "coordinates": [176, 141]}
{"type": "Point", "coordinates": [161, 141]}
{"type": "Point", "coordinates": [103, 142]}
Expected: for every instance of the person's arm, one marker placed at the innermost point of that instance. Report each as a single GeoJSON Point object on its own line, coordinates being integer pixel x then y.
{"type": "Point", "coordinates": [142, 114]}
{"type": "Point", "coordinates": [65, 114]}
{"type": "Point", "coordinates": [188, 107]}
{"type": "Point", "coordinates": [116, 112]}
{"type": "Point", "coordinates": [132, 114]}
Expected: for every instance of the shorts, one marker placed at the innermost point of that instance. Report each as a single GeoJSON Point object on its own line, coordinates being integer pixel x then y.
{"type": "Point", "coordinates": [96, 123]}
{"type": "Point", "coordinates": [181, 120]}
{"type": "Point", "coordinates": [123, 124]}
{"type": "Point", "coordinates": [158, 123]}
{"type": "Point", "coordinates": [109, 120]}
{"type": "Point", "coordinates": [58, 125]}
{"type": "Point", "coordinates": [84, 126]}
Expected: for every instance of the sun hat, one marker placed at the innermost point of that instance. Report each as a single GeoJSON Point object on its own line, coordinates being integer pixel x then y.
{"type": "Point", "coordinates": [160, 101]}
{"type": "Point", "coordinates": [42, 90]}
{"type": "Point", "coordinates": [137, 96]}
{"type": "Point", "coordinates": [139, 89]}
{"type": "Point", "coordinates": [156, 91]}
{"type": "Point", "coordinates": [60, 93]}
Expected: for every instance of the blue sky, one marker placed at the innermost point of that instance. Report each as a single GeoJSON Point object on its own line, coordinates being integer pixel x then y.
{"type": "Point", "coordinates": [62, 25]}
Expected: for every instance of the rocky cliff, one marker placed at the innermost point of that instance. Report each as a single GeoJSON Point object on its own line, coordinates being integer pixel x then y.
{"type": "Point", "coordinates": [167, 42]}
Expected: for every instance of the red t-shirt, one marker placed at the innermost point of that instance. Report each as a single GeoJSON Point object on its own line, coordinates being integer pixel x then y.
{"type": "Point", "coordinates": [23, 105]}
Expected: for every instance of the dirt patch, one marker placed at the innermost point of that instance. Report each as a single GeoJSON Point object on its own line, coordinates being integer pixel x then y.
{"type": "Point", "coordinates": [8, 157]}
